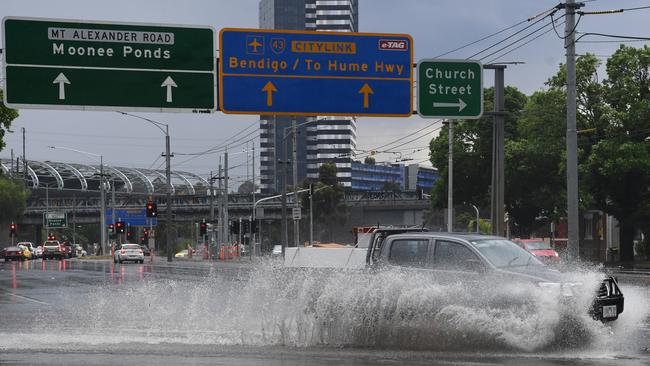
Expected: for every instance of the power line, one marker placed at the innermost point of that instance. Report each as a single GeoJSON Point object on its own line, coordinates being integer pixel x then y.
{"type": "Point", "coordinates": [522, 45]}
{"type": "Point", "coordinates": [411, 134]}
{"type": "Point", "coordinates": [512, 35]}
{"type": "Point", "coordinates": [518, 40]}
{"type": "Point", "coordinates": [585, 34]}
{"type": "Point", "coordinates": [496, 33]}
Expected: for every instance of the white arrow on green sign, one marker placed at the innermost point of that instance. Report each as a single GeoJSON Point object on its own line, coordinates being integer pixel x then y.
{"type": "Point", "coordinates": [63, 64]}
{"type": "Point", "coordinates": [450, 89]}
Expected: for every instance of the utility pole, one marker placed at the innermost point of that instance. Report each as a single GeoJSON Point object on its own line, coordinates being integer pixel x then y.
{"type": "Point", "coordinates": [311, 214]}
{"type": "Point", "coordinates": [253, 234]}
{"type": "Point", "coordinates": [573, 244]}
{"type": "Point", "coordinates": [225, 199]}
{"type": "Point", "coordinates": [24, 159]}
{"type": "Point", "coordinates": [284, 234]}
{"type": "Point", "coordinates": [212, 178]}
{"type": "Point", "coordinates": [497, 194]}
{"type": "Point", "coordinates": [168, 224]}
{"type": "Point", "coordinates": [113, 205]}
{"type": "Point", "coordinates": [220, 239]}
{"type": "Point", "coordinates": [74, 219]}
{"type": "Point", "coordinates": [296, 222]}
{"type": "Point", "coordinates": [450, 180]}
{"type": "Point", "coordinates": [102, 215]}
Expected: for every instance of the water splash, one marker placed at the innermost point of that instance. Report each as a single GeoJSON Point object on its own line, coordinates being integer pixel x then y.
{"type": "Point", "coordinates": [392, 309]}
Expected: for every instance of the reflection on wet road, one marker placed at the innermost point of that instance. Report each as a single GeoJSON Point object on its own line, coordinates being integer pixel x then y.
{"type": "Point", "coordinates": [96, 312]}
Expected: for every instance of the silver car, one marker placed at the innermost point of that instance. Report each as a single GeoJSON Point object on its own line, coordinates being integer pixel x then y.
{"type": "Point", "coordinates": [128, 252]}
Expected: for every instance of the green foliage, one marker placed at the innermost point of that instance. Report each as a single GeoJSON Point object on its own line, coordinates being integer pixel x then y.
{"type": "Point", "coordinates": [329, 209]}
{"type": "Point", "coordinates": [392, 187]}
{"type": "Point", "coordinates": [12, 198]}
{"type": "Point", "coordinates": [246, 188]}
{"type": "Point", "coordinates": [6, 116]}
{"type": "Point", "coordinates": [369, 160]}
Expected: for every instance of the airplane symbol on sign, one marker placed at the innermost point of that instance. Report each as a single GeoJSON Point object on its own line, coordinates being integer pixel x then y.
{"type": "Point", "coordinates": [254, 46]}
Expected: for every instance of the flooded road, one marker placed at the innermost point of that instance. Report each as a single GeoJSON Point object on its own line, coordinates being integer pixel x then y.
{"type": "Point", "coordinates": [97, 313]}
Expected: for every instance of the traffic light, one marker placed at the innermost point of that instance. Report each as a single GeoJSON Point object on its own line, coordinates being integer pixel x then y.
{"type": "Point", "coordinates": [111, 228]}
{"type": "Point", "coordinates": [145, 233]}
{"type": "Point", "coordinates": [12, 229]}
{"type": "Point", "coordinates": [234, 227]}
{"type": "Point", "coordinates": [129, 234]}
{"type": "Point", "coordinates": [152, 209]}
{"type": "Point", "coordinates": [253, 227]}
{"type": "Point", "coordinates": [119, 227]}
{"type": "Point", "coordinates": [203, 228]}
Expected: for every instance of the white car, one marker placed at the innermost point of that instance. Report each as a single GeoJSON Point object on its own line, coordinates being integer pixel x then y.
{"type": "Point", "coordinates": [128, 252]}
{"type": "Point", "coordinates": [277, 250]}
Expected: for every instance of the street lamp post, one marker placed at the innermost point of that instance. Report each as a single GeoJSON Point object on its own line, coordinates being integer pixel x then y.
{"type": "Point", "coordinates": [102, 194]}
{"type": "Point", "coordinates": [167, 154]}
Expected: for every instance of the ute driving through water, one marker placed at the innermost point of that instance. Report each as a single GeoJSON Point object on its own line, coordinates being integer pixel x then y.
{"type": "Point", "coordinates": [479, 261]}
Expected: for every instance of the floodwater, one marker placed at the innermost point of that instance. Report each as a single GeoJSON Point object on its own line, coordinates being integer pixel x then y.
{"type": "Point", "coordinates": [262, 314]}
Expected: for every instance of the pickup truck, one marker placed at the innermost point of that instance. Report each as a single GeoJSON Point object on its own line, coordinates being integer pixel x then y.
{"type": "Point", "coordinates": [452, 257]}
{"type": "Point", "coordinates": [53, 249]}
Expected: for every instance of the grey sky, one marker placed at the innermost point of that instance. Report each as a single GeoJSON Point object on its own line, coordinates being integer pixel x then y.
{"type": "Point", "coordinates": [436, 26]}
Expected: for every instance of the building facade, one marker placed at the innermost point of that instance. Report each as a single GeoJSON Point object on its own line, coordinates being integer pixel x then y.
{"type": "Point", "coordinates": [320, 139]}
{"type": "Point", "coordinates": [378, 177]}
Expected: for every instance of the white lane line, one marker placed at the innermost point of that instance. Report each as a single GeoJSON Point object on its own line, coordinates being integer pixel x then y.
{"type": "Point", "coordinates": [26, 298]}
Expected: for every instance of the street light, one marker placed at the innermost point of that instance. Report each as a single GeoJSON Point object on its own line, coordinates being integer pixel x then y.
{"type": "Point", "coordinates": [168, 222]}
{"type": "Point", "coordinates": [102, 214]}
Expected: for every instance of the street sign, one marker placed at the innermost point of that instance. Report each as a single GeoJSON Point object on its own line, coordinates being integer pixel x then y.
{"type": "Point", "coordinates": [132, 217]}
{"type": "Point", "coordinates": [315, 73]}
{"type": "Point", "coordinates": [68, 64]}
{"type": "Point", "coordinates": [450, 89]}
{"type": "Point", "coordinates": [297, 213]}
{"type": "Point", "coordinates": [55, 219]}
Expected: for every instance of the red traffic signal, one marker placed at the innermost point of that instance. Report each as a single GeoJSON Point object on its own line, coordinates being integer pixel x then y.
{"type": "Point", "coordinates": [111, 228]}
{"type": "Point", "coordinates": [203, 228]}
{"type": "Point", "coordinates": [12, 229]}
{"type": "Point", "coordinates": [152, 209]}
{"type": "Point", "coordinates": [119, 227]}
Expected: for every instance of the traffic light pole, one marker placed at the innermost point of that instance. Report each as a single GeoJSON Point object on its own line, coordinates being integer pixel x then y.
{"type": "Point", "coordinates": [168, 223]}
{"type": "Point", "coordinates": [102, 214]}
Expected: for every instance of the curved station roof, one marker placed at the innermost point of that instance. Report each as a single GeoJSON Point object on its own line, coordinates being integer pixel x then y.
{"type": "Point", "coordinates": [83, 177]}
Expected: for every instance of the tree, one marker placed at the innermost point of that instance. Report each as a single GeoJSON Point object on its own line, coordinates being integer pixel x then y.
{"type": "Point", "coordinates": [618, 168]}
{"type": "Point", "coordinates": [473, 152]}
{"type": "Point", "coordinates": [6, 116]}
{"type": "Point", "coordinates": [392, 187]}
{"type": "Point", "coordinates": [369, 160]}
{"type": "Point", "coordinates": [12, 198]}
{"type": "Point", "coordinates": [246, 188]}
{"type": "Point", "coordinates": [328, 209]}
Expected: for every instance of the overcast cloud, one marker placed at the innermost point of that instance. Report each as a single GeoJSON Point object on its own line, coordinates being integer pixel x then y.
{"type": "Point", "coordinates": [436, 26]}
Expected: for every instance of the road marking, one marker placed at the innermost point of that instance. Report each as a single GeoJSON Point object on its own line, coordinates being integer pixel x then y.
{"type": "Point", "coordinates": [27, 298]}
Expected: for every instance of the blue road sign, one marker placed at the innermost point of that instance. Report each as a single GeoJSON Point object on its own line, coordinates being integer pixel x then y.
{"type": "Point", "coordinates": [315, 73]}
{"type": "Point", "coordinates": [132, 217]}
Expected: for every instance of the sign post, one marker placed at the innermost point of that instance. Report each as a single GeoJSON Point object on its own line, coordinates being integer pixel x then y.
{"type": "Point", "coordinates": [67, 64]}
{"type": "Point", "coordinates": [450, 89]}
{"type": "Point", "coordinates": [315, 73]}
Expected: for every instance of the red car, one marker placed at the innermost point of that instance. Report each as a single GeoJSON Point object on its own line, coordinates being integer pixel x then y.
{"type": "Point", "coordinates": [540, 249]}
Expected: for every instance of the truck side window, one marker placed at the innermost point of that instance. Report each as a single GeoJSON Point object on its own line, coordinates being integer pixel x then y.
{"type": "Point", "coordinates": [409, 252]}
{"type": "Point", "coordinates": [455, 257]}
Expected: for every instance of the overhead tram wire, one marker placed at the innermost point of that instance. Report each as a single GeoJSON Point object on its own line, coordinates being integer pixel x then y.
{"type": "Point", "coordinates": [521, 45]}
{"type": "Point", "coordinates": [403, 137]}
{"type": "Point", "coordinates": [585, 34]}
{"type": "Point", "coordinates": [518, 40]}
{"type": "Point", "coordinates": [496, 33]}
{"type": "Point", "coordinates": [512, 35]}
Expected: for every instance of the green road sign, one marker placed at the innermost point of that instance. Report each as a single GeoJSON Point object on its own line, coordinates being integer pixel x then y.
{"type": "Point", "coordinates": [61, 64]}
{"type": "Point", "coordinates": [55, 219]}
{"type": "Point", "coordinates": [450, 89]}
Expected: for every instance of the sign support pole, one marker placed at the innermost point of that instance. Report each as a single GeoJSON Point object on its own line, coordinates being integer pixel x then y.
{"type": "Point", "coordinates": [450, 180]}
{"type": "Point", "coordinates": [296, 222]}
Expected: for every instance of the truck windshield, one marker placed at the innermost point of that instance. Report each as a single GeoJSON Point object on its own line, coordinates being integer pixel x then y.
{"type": "Point", "coordinates": [504, 253]}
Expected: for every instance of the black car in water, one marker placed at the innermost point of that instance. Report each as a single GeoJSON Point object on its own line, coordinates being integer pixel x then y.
{"type": "Point", "coordinates": [483, 260]}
